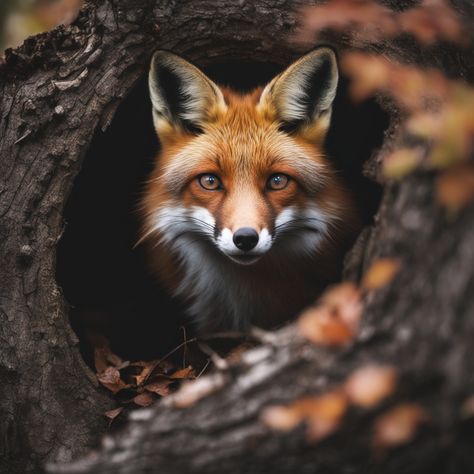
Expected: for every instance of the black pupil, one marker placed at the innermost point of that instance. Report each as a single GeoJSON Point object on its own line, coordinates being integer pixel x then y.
{"type": "Point", "coordinates": [211, 179]}
{"type": "Point", "coordinates": [277, 179]}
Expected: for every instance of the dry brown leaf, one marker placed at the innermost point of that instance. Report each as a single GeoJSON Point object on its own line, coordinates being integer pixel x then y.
{"type": "Point", "coordinates": [110, 379]}
{"type": "Point", "coordinates": [160, 387]}
{"type": "Point", "coordinates": [147, 368]}
{"type": "Point", "coordinates": [368, 386]}
{"type": "Point", "coordinates": [398, 426]}
{"type": "Point", "coordinates": [112, 414]}
{"type": "Point", "coordinates": [143, 399]}
{"type": "Point", "coordinates": [185, 373]}
{"type": "Point", "coordinates": [380, 273]}
{"type": "Point", "coordinates": [104, 357]}
{"type": "Point", "coordinates": [455, 187]}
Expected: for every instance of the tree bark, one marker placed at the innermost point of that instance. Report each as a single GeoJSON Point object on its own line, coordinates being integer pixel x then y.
{"type": "Point", "coordinates": [56, 90]}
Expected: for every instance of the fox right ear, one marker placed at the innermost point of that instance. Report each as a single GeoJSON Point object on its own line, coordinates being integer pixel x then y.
{"type": "Point", "coordinates": [183, 97]}
{"type": "Point", "coordinates": [301, 96]}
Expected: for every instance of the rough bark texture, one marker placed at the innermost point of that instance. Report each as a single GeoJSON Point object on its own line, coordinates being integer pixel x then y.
{"type": "Point", "coordinates": [55, 91]}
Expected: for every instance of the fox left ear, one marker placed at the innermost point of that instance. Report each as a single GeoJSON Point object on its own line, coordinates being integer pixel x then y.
{"type": "Point", "coordinates": [301, 96]}
{"type": "Point", "coordinates": [182, 96]}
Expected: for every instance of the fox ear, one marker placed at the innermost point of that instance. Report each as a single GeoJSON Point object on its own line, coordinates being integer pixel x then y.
{"type": "Point", "coordinates": [182, 96]}
{"type": "Point", "coordinates": [301, 97]}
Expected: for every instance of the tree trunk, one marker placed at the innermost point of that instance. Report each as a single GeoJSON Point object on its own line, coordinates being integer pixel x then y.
{"type": "Point", "coordinates": [56, 91]}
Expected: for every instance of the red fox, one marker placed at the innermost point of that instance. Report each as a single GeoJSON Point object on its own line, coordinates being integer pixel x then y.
{"type": "Point", "coordinates": [245, 218]}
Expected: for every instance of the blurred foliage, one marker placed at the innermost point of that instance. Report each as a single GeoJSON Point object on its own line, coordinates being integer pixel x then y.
{"type": "Point", "coordinates": [438, 112]}
{"type": "Point", "coordinates": [22, 18]}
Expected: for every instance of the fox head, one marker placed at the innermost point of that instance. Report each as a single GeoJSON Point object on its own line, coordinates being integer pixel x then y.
{"type": "Point", "coordinates": [244, 176]}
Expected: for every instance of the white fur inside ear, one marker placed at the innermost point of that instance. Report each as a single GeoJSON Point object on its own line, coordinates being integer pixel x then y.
{"type": "Point", "coordinates": [194, 93]}
{"type": "Point", "coordinates": [290, 91]}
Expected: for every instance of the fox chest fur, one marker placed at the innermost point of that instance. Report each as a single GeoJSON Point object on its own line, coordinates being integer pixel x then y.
{"type": "Point", "coordinates": [244, 217]}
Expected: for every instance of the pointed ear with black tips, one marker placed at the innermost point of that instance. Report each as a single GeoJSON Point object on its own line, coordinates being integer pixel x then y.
{"type": "Point", "coordinates": [182, 96]}
{"type": "Point", "coordinates": [301, 97]}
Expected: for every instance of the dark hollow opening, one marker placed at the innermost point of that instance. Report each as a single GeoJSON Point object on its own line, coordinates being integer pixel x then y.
{"type": "Point", "coordinates": [105, 278]}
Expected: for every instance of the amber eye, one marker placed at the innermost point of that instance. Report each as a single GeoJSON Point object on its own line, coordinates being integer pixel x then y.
{"type": "Point", "coordinates": [278, 181]}
{"type": "Point", "coordinates": [210, 182]}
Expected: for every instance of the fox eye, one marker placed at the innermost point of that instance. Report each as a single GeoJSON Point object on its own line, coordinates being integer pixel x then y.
{"type": "Point", "coordinates": [210, 182]}
{"type": "Point", "coordinates": [278, 181]}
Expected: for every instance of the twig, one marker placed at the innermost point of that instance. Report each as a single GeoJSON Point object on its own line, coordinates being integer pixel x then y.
{"type": "Point", "coordinates": [217, 360]}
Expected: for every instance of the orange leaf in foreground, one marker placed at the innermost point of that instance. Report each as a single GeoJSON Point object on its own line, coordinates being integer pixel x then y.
{"type": "Point", "coordinates": [319, 326]}
{"type": "Point", "coordinates": [380, 273]}
{"type": "Point", "coordinates": [322, 415]}
{"type": "Point", "coordinates": [399, 425]}
{"type": "Point", "coordinates": [336, 319]}
{"type": "Point", "coordinates": [345, 301]}
{"type": "Point", "coordinates": [368, 386]}
{"type": "Point", "coordinates": [455, 187]}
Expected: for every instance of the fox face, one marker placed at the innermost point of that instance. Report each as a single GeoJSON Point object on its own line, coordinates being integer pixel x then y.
{"type": "Point", "coordinates": [242, 197]}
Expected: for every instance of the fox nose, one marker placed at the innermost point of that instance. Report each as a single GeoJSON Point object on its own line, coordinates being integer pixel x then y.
{"type": "Point", "coordinates": [245, 238]}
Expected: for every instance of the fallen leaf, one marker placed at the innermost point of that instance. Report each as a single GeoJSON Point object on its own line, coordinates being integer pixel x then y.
{"type": "Point", "coordinates": [185, 373]}
{"type": "Point", "coordinates": [104, 357]}
{"type": "Point", "coordinates": [368, 386]}
{"type": "Point", "coordinates": [159, 387]}
{"type": "Point", "coordinates": [380, 273]}
{"type": "Point", "coordinates": [398, 426]}
{"type": "Point", "coordinates": [143, 399]}
{"type": "Point", "coordinates": [110, 379]}
{"type": "Point", "coordinates": [112, 414]}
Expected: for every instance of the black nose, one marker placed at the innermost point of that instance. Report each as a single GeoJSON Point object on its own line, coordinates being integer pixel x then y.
{"type": "Point", "coordinates": [245, 238]}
